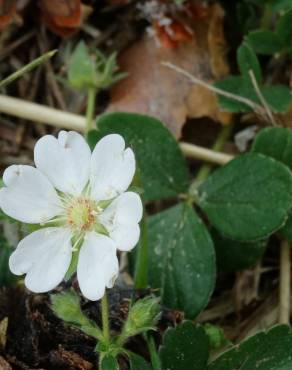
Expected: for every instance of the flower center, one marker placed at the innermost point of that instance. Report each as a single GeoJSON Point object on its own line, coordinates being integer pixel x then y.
{"type": "Point", "coordinates": [81, 214]}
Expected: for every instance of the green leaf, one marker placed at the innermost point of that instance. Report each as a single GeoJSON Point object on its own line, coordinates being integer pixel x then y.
{"type": "Point", "coordinates": [185, 347]}
{"type": "Point", "coordinates": [275, 142]}
{"type": "Point", "coordinates": [82, 69]}
{"type": "Point", "coordinates": [181, 259]}
{"type": "Point", "coordinates": [163, 169]}
{"type": "Point", "coordinates": [265, 42]}
{"type": "Point", "coordinates": [270, 350]}
{"type": "Point", "coordinates": [249, 198]}
{"type": "Point", "coordinates": [278, 97]}
{"type": "Point", "coordinates": [138, 363]}
{"type": "Point", "coordinates": [248, 61]}
{"type": "Point", "coordinates": [284, 30]}
{"type": "Point", "coordinates": [109, 363]}
{"type": "Point", "coordinates": [233, 255]}
{"type": "Point", "coordinates": [6, 277]}
{"type": "Point", "coordinates": [235, 85]}
{"type": "Point", "coordinates": [281, 5]}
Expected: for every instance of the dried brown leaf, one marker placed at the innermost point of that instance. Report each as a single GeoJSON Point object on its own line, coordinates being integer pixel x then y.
{"type": "Point", "coordinates": [153, 89]}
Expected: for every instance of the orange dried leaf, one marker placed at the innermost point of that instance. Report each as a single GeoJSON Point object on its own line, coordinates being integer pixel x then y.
{"type": "Point", "coordinates": [7, 10]}
{"type": "Point", "coordinates": [62, 16]}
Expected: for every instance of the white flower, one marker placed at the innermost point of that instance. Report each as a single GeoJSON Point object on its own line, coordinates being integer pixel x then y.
{"type": "Point", "coordinates": [80, 198]}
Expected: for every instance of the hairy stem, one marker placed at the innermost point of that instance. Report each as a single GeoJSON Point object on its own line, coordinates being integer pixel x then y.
{"type": "Point", "coordinates": [90, 108]}
{"type": "Point", "coordinates": [105, 318]}
{"type": "Point", "coordinates": [155, 361]}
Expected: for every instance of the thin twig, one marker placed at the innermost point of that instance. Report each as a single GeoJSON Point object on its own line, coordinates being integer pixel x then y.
{"type": "Point", "coordinates": [41, 114]}
{"type": "Point", "coordinates": [261, 98]}
{"type": "Point", "coordinates": [203, 154]}
{"type": "Point", "coordinates": [254, 106]}
{"type": "Point", "coordinates": [57, 118]}
{"type": "Point", "coordinates": [285, 281]}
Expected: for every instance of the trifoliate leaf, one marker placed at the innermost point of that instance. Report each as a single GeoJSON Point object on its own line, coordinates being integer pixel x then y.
{"type": "Point", "coordinates": [284, 30]}
{"type": "Point", "coordinates": [233, 255]}
{"type": "Point", "coordinates": [248, 61]}
{"type": "Point", "coordinates": [265, 42]}
{"type": "Point", "coordinates": [249, 198]}
{"type": "Point", "coordinates": [275, 142]}
{"type": "Point", "coordinates": [270, 350]}
{"type": "Point", "coordinates": [181, 259]}
{"type": "Point", "coordinates": [184, 347]}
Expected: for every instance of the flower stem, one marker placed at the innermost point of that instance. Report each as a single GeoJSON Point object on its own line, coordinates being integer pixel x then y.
{"type": "Point", "coordinates": [207, 168]}
{"type": "Point", "coordinates": [105, 318]}
{"type": "Point", "coordinates": [90, 108]}
{"type": "Point", "coordinates": [155, 361]}
{"type": "Point", "coordinates": [141, 270]}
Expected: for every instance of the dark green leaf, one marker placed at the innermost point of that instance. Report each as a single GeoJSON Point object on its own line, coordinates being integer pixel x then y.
{"type": "Point", "coordinates": [138, 363]}
{"type": "Point", "coordinates": [162, 165]}
{"type": "Point", "coordinates": [233, 255]}
{"type": "Point", "coordinates": [109, 363]}
{"type": "Point", "coordinates": [248, 61]}
{"type": "Point", "coordinates": [185, 347]}
{"type": "Point", "coordinates": [264, 42]}
{"type": "Point", "coordinates": [275, 142]}
{"type": "Point", "coordinates": [235, 85]}
{"type": "Point", "coordinates": [249, 198]}
{"type": "Point", "coordinates": [284, 29]}
{"type": "Point", "coordinates": [278, 97]}
{"type": "Point", "coordinates": [271, 350]}
{"type": "Point", "coordinates": [281, 5]}
{"type": "Point", "coordinates": [181, 259]}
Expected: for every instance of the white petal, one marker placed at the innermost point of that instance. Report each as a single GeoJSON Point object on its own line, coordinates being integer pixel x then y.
{"type": "Point", "coordinates": [97, 266]}
{"type": "Point", "coordinates": [44, 256]}
{"type": "Point", "coordinates": [121, 219]}
{"type": "Point", "coordinates": [65, 161]}
{"type": "Point", "coordinates": [29, 196]}
{"type": "Point", "coordinates": [125, 237]}
{"type": "Point", "coordinates": [112, 167]}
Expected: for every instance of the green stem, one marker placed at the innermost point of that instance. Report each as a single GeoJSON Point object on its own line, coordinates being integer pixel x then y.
{"type": "Point", "coordinates": [105, 318]}
{"type": "Point", "coordinates": [27, 68]}
{"type": "Point", "coordinates": [155, 361]}
{"type": "Point", "coordinates": [141, 268]}
{"type": "Point", "coordinates": [90, 108]}
{"type": "Point", "coordinates": [207, 168]}
{"type": "Point", "coordinates": [266, 17]}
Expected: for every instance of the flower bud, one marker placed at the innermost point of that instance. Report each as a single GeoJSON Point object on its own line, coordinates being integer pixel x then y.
{"type": "Point", "coordinates": [92, 70]}
{"type": "Point", "coordinates": [143, 316]}
{"type": "Point", "coordinates": [66, 306]}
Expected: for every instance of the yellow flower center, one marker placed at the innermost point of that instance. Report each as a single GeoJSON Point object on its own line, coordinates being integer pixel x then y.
{"type": "Point", "coordinates": [81, 214]}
